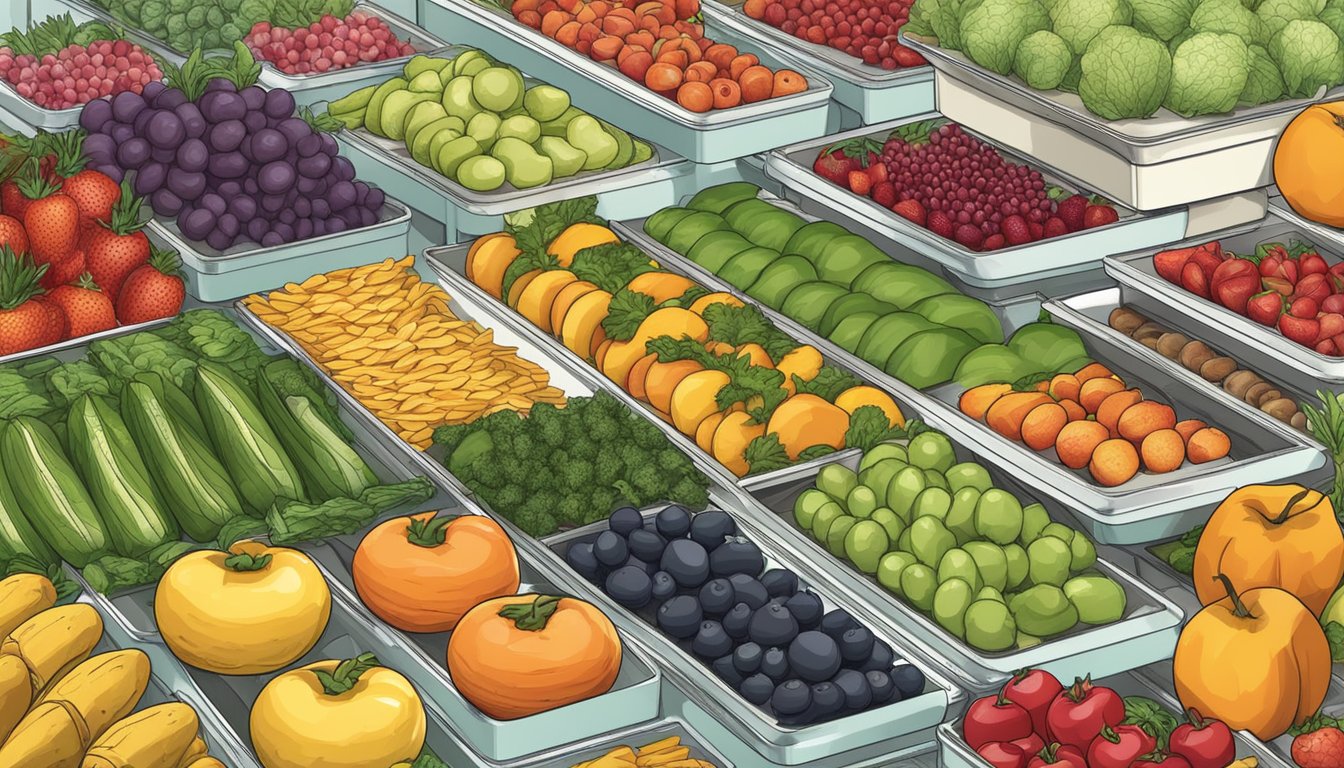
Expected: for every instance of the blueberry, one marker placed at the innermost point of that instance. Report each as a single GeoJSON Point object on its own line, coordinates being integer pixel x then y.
{"type": "Point", "coordinates": [646, 545]}
{"type": "Point", "coordinates": [723, 667]}
{"type": "Point", "coordinates": [757, 689]}
{"type": "Point", "coordinates": [772, 625]}
{"type": "Point", "coordinates": [674, 522]}
{"type": "Point", "coordinates": [581, 558]}
{"type": "Point", "coordinates": [664, 586]}
{"type": "Point", "coordinates": [827, 700]}
{"type": "Point", "coordinates": [856, 645]}
{"type": "Point", "coordinates": [880, 659]}
{"type": "Point", "coordinates": [882, 686]}
{"type": "Point", "coordinates": [625, 521]}
{"type": "Point", "coordinates": [711, 641]}
{"type": "Point", "coordinates": [687, 561]}
{"type": "Point", "coordinates": [854, 685]}
{"type": "Point", "coordinates": [748, 590]}
{"type": "Point", "coordinates": [630, 586]}
{"type": "Point", "coordinates": [736, 556]}
{"type": "Point", "coordinates": [610, 549]}
{"type": "Point", "coordinates": [680, 617]}
{"type": "Point", "coordinates": [909, 680]}
{"type": "Point", "coordinates": [779, 582]}
{"type": "Point", "coordinates": [806, 608]}
{"type": "Point", "coordinates": [775, 664]}
{"type": "Point", "coordinates": [837, 622]}
{"type": "Point", "coordinates": [737, 621]}
{"type": "Point", "coordinates": [647, 567]}
{"type": "Point", "coordinates": [747, 658]}
{"type": "Point", "coordinates": [712, 528]}
{"type": "Point", "coordinates": [791, 697]}
{"type": "Point", "coordinates": [716, 597]}
{"type": "Point", "coordinates": [814, 656]}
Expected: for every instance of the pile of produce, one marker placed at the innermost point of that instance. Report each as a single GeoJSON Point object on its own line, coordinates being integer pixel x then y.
{"type": "Point", "coordinates": [415, 364]}
{"type": "Point", "coordinates": [863, 30]}
{"type": "Point", "coordinates": [1036, 721]}
{"type": "Point", "coordinates": [476, 121]}
{"type": "Point", "coordinates": [1129, 59]}
{"type": "Point", "coordinates": [342, 42]}
{"type": "Point", "coordinates": [903, 319]}
{"type": "Point", "coordinates": [936, 533]}
{"type": "Point", "coordinates": [1196, 356]}
{"type": "Point", "coordinates": [1091, 419]}
{"type": "Point", "coordinates": [664, 753]}
{"type": "Point", "coordinates": [66, 707]}
{"type": "Point", "coordinates": [58, 64]}
{"type": "Point", "coordinates": [958, 187]}
{"type": "Point", "coordinates": [714, 368]}
{"type": "Point", "coordinates": [228, 160]}
{"type": "Point", "coordinates": [189, 429]}
{"type": "Point", "coordinates": [565, 467]}
{"type": "Point", "coordinates": [660, 44]}
{"type": "Point", "coordinates": [763, 632]}
{"type": "Point", "coordinates": [73, 260]}
{"type": "Point", "coordinates": [1289, 287]}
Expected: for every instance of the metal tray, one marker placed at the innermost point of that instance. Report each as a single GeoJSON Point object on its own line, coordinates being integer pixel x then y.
{"type": "Point", "coordinates": [872, 93]}
{"type": "Point", "coordinates": [956, 753]}
{"type": "Point", "coordinates": [247, 267]}
{"type": "Point", "coordinates": [778, 743]}
{"type": "Point", "coordinates": [1145, 164]}
{"type": "Point", "coordinates": [1145, 634]}
{"type": "Point", "coordinates": [1028, 263]}
{"type": "Point", "coordinates": [708, 137]}
{"type": "Point", "coordinates": [1261, 347]}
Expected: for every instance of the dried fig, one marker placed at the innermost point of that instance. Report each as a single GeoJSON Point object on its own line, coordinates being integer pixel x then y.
{"type": "Point", "coordinates": [1281, 408]}
{"type": "Point", "coordinates": [1126, 320]}
{"type": "Point", "coordinates": [1216, 369]}
{"type": "Point", "coordinates": [1170, 344]}
{"type": "Point", "coordinates": [1195, 354]}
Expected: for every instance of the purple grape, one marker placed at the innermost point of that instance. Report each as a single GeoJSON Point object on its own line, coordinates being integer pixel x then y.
{"type": "Point", "coordinates": [193, 156]}
{"type": "Point", "coordinates": [344, 170]}
{"type": "Point", "coordinates": [257, 229]}
{"type": "Point", "coordinates": [197, 224]}
{"type": "Point", "coordinates": [303, 207]}
{"type": "Point", "coordinates": [309, 145]}
{"type": "Point", "coordinates": [193, 122]}
{"type": "Point", "coordinates": [253, 96]}
{"type": "Point", "coordinates": [165, 203]}
{"type": "Point", "coordinates": [150, 178]}
{"type": "Point", "coordinates": [350, 216]}
{"type": "Point", "coordinates": [186, 184]}
{"type": "Point", "coordinates": [95, 114]}
{"type": "Point", "coordinates": [221, 85]}
{"type": "Point", "coordinates": [227, 135]}
{"type": "Point", "coordinates": [141, 121]}
{"type": "Point", "coordinates": [305, 185]}
{"type": "Point", "coordinates": [319, 227]}
{"type": "Point", "coordinates": [294, 128]}
{"type": "Point", "coordinates": [229, 165]}
{"type": "Point", "coordinates": [272, 239]}
{"type": "Point", "coordinates": [268, 144]}
{"type": "Point", "coordinates": [122, 133]}
{"type": "Point", "coordinates": [153, 89]}
{"type": "Point", "coordinates": [335, 224]}
{"type": "Point", "coordinates": [303, 230]}
{"type": "Point", "coordinates": [161, 155]}
{"type": "Point", "coordinates": [341, 195]}
{"type": "Point", "coordinates": [279, 103]}
{"type": "Point", "coordinates": [374, 202]}
{"type": "Point", "coordinates": [133, 153]}
{"type": "Point", "coordinates": [255, 121]}
{"type": "Point", "coordinates": [126, 105]}
{"type": "Point", "coordinates": [218, 240]}
{"type": "Point", "coordinates": [166, 130]}
{"type": "Point", "coordinates": [285, 231]}
{"type": "Point", "coordinates": [250, 184]}
{"type": "Point", "coordinates": [314, 167]}
{"type": "Point", "coordinates": [321, 209]}
{"type": "Point", "coordinates": [276, 178]}
{"type": "Point", "coordinates": [170, 99]}
{"type": "Point", "coordinates": [113, 172]}
{"type": "Point", "coordinates": [243, 208]}
{"type": "Point", "coordinates": [286, 216]}
{"type": "Point", "coordinates": [100, 144]}
{"type": "Point", "coordinates": [321, 188]}
{"type": "Point", "coordinates": [329, 145]}
{"type": "Point", "coordinates": [361, 192]}
{"type": "Point", "coordinates": [272, 203]}
{"type": "Point", "coordinates": [367, 218]}
{"type": "Point", "coordinates": [212, 203]}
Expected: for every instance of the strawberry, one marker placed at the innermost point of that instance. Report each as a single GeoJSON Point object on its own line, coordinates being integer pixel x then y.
{"type": "Point", "coordinates": [1055, 227]}
{"type": "Point", "coordinates": [1037, 229]}
{"type": "Point", "coordinates": [95, 193]}
{"type": "Point", "coordinates": [1194, 280]}
{"type": "Point", "coordinates": [117, 248]}
{"type": "Point", "coordinates": [912, 210]}
{"type": "Point", "coordinates": [970, 236]}
{"type": "Point", "coordinates": [25, 322]}
{"type": "Point", "coordinates": [1316, 285]}
{"type": "Point", "coordinates": [1318, 743]}
{"type": "Point", "coordinates": [1338, 269]}
{"type": "Point", "coordinates": [1304, 306]}
{"type": "Point", "coordinates": [1289, 270]}
{"type": "Point", "coordinates": [1235, 292]}
{"type": "Point", "coordinates": [834, 166]}
{"type": "Point", "coordinates": [877, 172]}
{"type": "Point", "coordinates": [58, 326]}
{"type": "Point", "coordinates": [1170, 263]}
{"type": "Point", "coordinates": [86, 307]}
{"type": "Point", "coordinates": [1332, 324]}
{"type": "Point", "coordinates": [1333, 303]}
{"type": "Point", "coordinates": [1208, 257]}
{"type": "Point", "coordinates": [52, 221]}
{"type": "Point", "coordinates": [993, 242]}
{"type": "Point", "coordinates": [941, 224]}
{"type": "Point", "coordinates": [153, 291]}
{"type": "Point", "coordinates": [1016, 232]}
{"type": "Point", "coordinates": [884, 194]}
{"type": "Point", "coordinates": [12, 201]}
{"type": "Point", "coordinates": [860, 183]}
{"type": "Point", "coordinates": [1073, 211]}
{"type": "Point", "coordinates": [1303, 330]}
{"type": "Point", "coordinates": [1099, 216]}
{"type": "Point", "coordinates": [1265, 307]}
{"type": "Point", "coordinates": [1231, 269]}
{"type": "Point", "coordinates": [1312, 263]}
{"type": "Point", "coordinates": [1326, 347]}
{"type": "Point", "coordinates": [66, 270]}
{"type": "Point", "coordinates": [12, 234]}
{"type": "Point", "coordinates": [1269, 266]}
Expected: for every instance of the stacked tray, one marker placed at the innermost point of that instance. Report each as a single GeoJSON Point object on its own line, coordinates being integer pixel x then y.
{"type": "Point", "coordinates": [710, 137]}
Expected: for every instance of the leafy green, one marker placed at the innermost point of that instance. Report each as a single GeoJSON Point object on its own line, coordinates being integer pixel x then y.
{"type": "Point", "coordinates": [1043, 58]}
{"type": "Point", "coordinates": [144, 352]}
{"type": "Point", "coordinates": [1309, 54]}
{"type": "Point", "coordinates": [766, 454]}
{"type": "Point", "coordinates": [611, 266]}
{"type": "Point", "coordinates": [1124, 74]}
{"type": "Point", "coordinates": [428, 759]}
{"type": "Point", "coordinates": [290, 378]}
{"type": "Point", "coordinates": [815, 452]}
{"type": "Point", "coordinates": [301, 13]}
{"type": "Point", "coordinates": [746, 324]}
{"type": "Point", "coordinates": [869, 426]}
{"type": "Point", "coordinates": [1208, 74]}
{"type": "Point", "coordinates": [1079, 21]}
{"type": "Point", "coordinates": [1150, 716]}
{"type": "Point", "coordinates": [73, 379]}
{"type": "Point", "coordinates": [1264, 82]}
{"type": "Point", "coordinates": [212, 336]}
{"type": "Point", "coordinates": [992, 30]}
{"type": "Point", "coordinates": [547, 222]}
{"type": "Point", "coordinates": [1275, 14]}
{"type": "Point", "coordinates": [112, 573]}
{"type": "Point", "coordinates": [1326, 424]}
{"type": "Point", "coordinates": [1163, 19]}
{"type": "Point", "coordinates": [1334, 633]}
{"type": "Point", "coordinates": [627, 310]}
{"type": "Point", "coordinates": [827, 384]}
{"type": "Point", "coordinates": [295, 521]}
{"type": "Point", "coordinates": [1228, 16]}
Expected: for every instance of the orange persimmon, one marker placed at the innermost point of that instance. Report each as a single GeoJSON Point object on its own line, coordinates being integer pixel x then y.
{"type": "Point", "coordinates": [695, 96]}
{"type": "Point", "coordinates": [741, 63]}
{"type": "Point", "coordinates": [1115, 461]}
{"type": "Point", "coordinates": [663, 77]}
{"type": "Point", "coordinates": [568, 34]}
{"type": "Point", "coordinates": [757, 83]}
{"type": "Point", "coordinates": [605, 48]}
{"type": "Point", "coordinates": [975, 401]}
{"type": "Point", "coordinates": [721, 55]}
{"type": "Point", "coordinates": [727, 94]}
{"type": "Point", "coordinates": [1309, 163]}
{"type": "Point", "coordinates": [1077, 441]}
{"type": "Point", "coordinates": [701, 72]}
{"type": "Point", "coordinates": [787, 82]}
{"type": "Point", "coordinates": [553, 21]}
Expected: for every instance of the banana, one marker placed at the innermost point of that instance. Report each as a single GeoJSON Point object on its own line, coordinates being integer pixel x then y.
{"type": "Point", "coordinates": [54, 641]}
{"type": "Point", "coordinates": [195, 752]}
{"type": "Point", "coordinates": [53, 735]}
{"type": "Point", "coordinates": [103, 689]}
{"type": "Point", "coordinates": [206, 762]}
{"type": "Point", "coordinates": [23, 596]}
{"type": "Point", "coordinates": [1245, 762]}
{"type": "Point", "coordinates": [16, 694]}
{"type": "Point", "coordinates": [158, 737]}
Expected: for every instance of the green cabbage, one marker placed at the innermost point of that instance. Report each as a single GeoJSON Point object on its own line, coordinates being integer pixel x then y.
{"type": "Point", "coordinates": [1309, 55]}
{"type": "Point", "coordinates": [1043, 59]}
{"type": "Point", "coordinates": [992, 31]}
{"type": "Point", "coordinates": [1208, 74]}
{"type": "Point", "coordinates": [1078, 21]}
{"type": "Point", "coordinates": [1231, 17]}
{"type": "Point", "coordinates": [1124, 74]}
{"type": "Point", "coordinates": [1264, 82]}
{"type": "Point", "coordinates": [1163, 19]}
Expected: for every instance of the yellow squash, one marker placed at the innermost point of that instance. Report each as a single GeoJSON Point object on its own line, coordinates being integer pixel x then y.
{"type": "Point", "coordinates": [16, 694]}
{"type": "Point", "coordinates": [52, 735]}
{"type": "Point", "coordinates": [103, 689]}
{"type": "Point", "coordinates": [54, 641]}
{"type": "Point", "coordinates": [157, 737]}
{"type": "Point", "coordinates": [23, 596]}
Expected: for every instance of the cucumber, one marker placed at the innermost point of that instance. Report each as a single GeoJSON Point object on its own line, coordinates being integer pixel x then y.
{"type": "Point", "coordinates": [330, 468]}
{"type": "Point", "coordinates": [17, 536]}
{"type": "Point", "coordinates": [54, 499]}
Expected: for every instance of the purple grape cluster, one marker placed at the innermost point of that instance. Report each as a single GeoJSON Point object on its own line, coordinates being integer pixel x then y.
{"type": "Point", "coordinates": [232, 165]}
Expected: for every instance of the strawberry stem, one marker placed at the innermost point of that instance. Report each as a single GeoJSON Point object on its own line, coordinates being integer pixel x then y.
{"type": "Point", "coordinates": [20, 278]}
{"type": "Point", "coordinates": [125, 212]}
{"type": "Point", "coordinates": [69, 150]}
{"type": "Point", "coordinates": [86, 282]}
{"type": "Point", "coordinates": [166, 262]}
{"type": "Point", "coordinates": [32, 184]}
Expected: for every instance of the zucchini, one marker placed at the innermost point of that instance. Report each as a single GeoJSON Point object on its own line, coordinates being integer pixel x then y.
{"type": "Point", "coordinates": [17, 536]}
{"type": "Point", "coordinates": [117, 479]}
{"type": "Point", "coordinates": [54, 498]}
{"type": "Point", "coordinates": [244, 442]}
{"type": "Point", "coordinates": [330, 468]}
{"type": "Point", "coordinates": [190, 479]}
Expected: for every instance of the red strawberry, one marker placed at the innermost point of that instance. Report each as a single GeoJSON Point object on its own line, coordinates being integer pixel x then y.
{"type": "Point", "coordinates": [970, 236]}
{"type": "Point", "coordinates": [1333, 303]}
{"type": "Point", "coordinates": [58, 326]}
{"type": "Point", "coordinates": [1338, 269]}
{"type": "Point", "coordinates": [884, 194]}
{"type": "Point", "coordinates": [1194, 280]}
{"type": "Point", "coordinates": [1016, 232]}
{"type": "Point", "coordinates": [25, 321]}
{"type": "Point", "coordinates": [153, 291]}
{"type": "Point", "coordinates": [912, 210]}
{"type": "Point", "coordinates": [877, 172]}
{"type": "Point", "coordinates": [941, 224]}
{"type": "Point", "coordinates": [1037, 229]}
{"type": "Point", "coordinates": [87, 308]}
{"type": "Point", "coordinates": [1332, 324]}
{"type": "Point", "coordinates": [1233, 293]}
{"type": "Point", "coordinates": [1312, 263]}
{"type": "Point", "coordinates": [1316, 285]}
{"type": "Point", "coordinates": [1319, 743]}
{"type": "Point", "coordinates": [95, 193]}
{"type": "Point", "coordinates": [1055, 227]}
{"type": "Point", "coordinates": [66, 270]}
{"type": "Point", "coordinates": [12, 234]}
{"type": "Point", "coordinates": [1234, 268]}
{"type": "Point", "coordinates": [1208, 257]}
{"type": "Point", "coordinates": [116, 250]}
{"type": "Point", "coordinates": [1269, 266]}
{"type": "Point", "coordinates": [1289, 270]}
{"type": "Point", "coordinates": [1099, 216]}
{"type": "Point", "coordinates": [1304, 306]}
{"type": "Point", "coordinates": [860, 183]}
{"type": "Point", "coordinates": [1073, 211]}
{"type": "Point", "coordinates": [12, 201]}
{"type": "Point", "coordinates": [1278, 285]}
{"type": "Point", "coordinates": [1170, 263]}
{"type": "Point", "coordinates": [993, 242]}
{"type": "Point", "coordinates": [52, 222]}
{"type": "Point", "coordinates": [1326, 347]}
{"type": "Point", "coordinates": [1265, 307]}
{"type": "Point", "coordinates": [1303, 330]}
{"type": "Point", "coordinates": [834, 167]}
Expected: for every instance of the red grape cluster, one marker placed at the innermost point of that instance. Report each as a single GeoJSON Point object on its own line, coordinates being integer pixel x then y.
{"type": "Point", "coordinates": [327, 44]}
{"type": "Point", "coordinates": [864, 29]}
{"type": "Point", "coordinates": [78, 74]}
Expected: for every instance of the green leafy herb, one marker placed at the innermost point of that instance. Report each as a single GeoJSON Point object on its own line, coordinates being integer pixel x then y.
{"type": "Point", "coordinates": [1151, 717]}
{"type": "Point", "coordinates": [766, 454]}
{"type": "Point", "coordinates": [918, 132]}
{"type": "Point", "coordinates": [815, 452]}
{"type": "Point", "coordinates": [549, 220]}
{"type": "Point", "coordinates": [1334, 632]}
{"type": "Point", "coordinates": [759, 388]}
{"type": "Point", "coordinates": [869, 426]}
{"type": "Point", "coordinates": [861, 149]}
{"type": "Point", "coordinates": [428, 759]}
{"type": "Point", "coordinates": [827, 384]}
{"type": "Point", "coordinates": [1326, 424]}
{"type": "Point", "coordinates": [692, 295]}
{"type": "Point", "coordinates": [111, 573]}
{"type": "Point", "coordinates": [190, 78]}
{"type": "Point", "coordinates": [610, 266]}
{"type": "Point", "coordinates": [628, 309]}
{"type": "Point", "coordinates": [322, 122]}
{"type": "Point", "coordinates": [56, 32]}
{"type": "Point", "coordinates": [301, 13]}
{"type": "Point", "coordinates": [1314, 723]}
{"type": "Point", "coordinates": [736, 326]}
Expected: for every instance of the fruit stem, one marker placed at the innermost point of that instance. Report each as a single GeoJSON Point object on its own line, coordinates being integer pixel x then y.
{"type": "Point", "coordinates": [1239, 608]}
{"type": "Point", "coordinates": [533, 616]}
{"type": "Point", "coordinates": [245, 561]}
{"type": "Point", "coordinates": [1078, 691]}
{"type": "Point", "coordinates": [1282, 517]}
{"type": "Point", "coordinates": [1197, 721]}
{"type": "Point", "coordinates": [346, 674]}
{"type": "Point", "coordinates": [424, 532]}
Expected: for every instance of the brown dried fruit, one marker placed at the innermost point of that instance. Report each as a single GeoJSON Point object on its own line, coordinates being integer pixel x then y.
{"type": "Point", "coordinates": [1194, 354]}
{"type": "Point", "coordinates": [1281, 408]}
{"type": "Point", "coordinates": [1149, 342]}
{"type": "Point", "coordinates": [1268, 396]}
{"type": "Point", "coordinates": [1299, 420]}
{"type": "Point", "coordinates": [1253, 394]}
{"type": "Point", "coordinates": [1216, 369]}
{"type": "Point", "coordinates": [1171, 344]}
{"type": "Point", "coordinates": [1126, 320]}
{"type": "Point", "coordinates": [1239, 382]}
{"type": "Point", "coordinates": [1149, 329]}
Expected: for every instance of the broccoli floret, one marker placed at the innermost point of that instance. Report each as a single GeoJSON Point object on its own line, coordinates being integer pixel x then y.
{"type": "Point", "coordinates": [534, 516]}
{"type": "Point", "coordinates": [558, 462]}
{"type": "Point", "coordinates": [600, 504]}
{"type": "Point", "coordinates": [508, 498]}
{"type": "Point", "coordinates": [519, 472]}
{"type": "Point", "coordinates": [648, 481]}
{"type": "Point", "coordinates": [691, 492]}
{"type": "Point", "coordinates": [572, 510]}
{"type": "Point", "coordinates": [647, 435]}
{"type": "Point", "coordinates": [583, 450]}
{"type": "Point", "coordinates": [602, 427]}
{"type": "Point", "coordinates": [522, 444]}
{"type": "Point", "coordinates": [670, 460]}
{"type": "Point", "coordinates": [607, 467]}
{"type": "Point", "coordinates": [634, 458]}
{"type": "Point", "coordinates": [577, 476]}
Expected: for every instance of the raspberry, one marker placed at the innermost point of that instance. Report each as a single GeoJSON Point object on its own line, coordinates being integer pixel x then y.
{"type": "Point", "coordinates": [327, 44]}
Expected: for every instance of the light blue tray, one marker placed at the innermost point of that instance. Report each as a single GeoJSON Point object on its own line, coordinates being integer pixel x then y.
{"type": "Point", "coordinates": [710, 137]}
